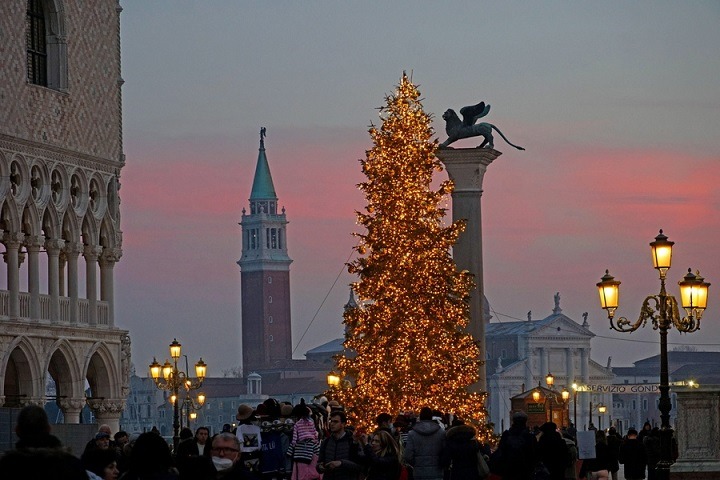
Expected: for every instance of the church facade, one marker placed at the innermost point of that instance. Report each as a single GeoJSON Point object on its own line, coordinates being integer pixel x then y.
{"type": "Point", "coordinates": [520, 354]}
{"type": "Point", "coordinates": [61, 155]}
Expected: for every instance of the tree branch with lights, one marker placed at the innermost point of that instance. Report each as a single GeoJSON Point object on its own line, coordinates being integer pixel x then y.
{"type": "Point", "coordinates": [407, 343]}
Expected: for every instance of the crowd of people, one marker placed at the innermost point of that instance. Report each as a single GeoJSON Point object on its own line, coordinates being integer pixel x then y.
{"type": "Point", "coordinates": [271, 441]}
{"type": "Point", "coordinates": [546, 452]}
{"type": "Point", "coordinates": [314, 441]}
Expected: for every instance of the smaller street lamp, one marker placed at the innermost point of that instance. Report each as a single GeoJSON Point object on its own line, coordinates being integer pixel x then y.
{"type": "Point", "coordinates": [169, 377]}
{"type": "Point", "coordinates": [601, 411]}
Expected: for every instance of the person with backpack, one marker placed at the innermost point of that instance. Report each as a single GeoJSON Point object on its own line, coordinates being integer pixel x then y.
{"type": "Point", "coordinates": [515, 457]}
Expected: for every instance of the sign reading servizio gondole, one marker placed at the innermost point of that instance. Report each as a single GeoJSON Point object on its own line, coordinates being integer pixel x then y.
{"type": "Point", "coordinates": [626, 388]}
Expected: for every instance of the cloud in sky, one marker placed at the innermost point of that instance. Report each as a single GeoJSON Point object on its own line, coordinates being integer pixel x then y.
{"type": "Point", "coordinates": [614, 106]}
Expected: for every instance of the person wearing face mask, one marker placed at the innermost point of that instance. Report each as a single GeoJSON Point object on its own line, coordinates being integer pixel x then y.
{"type": "Point", "coordinates": [226, 458]}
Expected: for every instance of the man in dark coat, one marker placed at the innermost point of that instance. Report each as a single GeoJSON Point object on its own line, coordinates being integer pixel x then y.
{"type": "Point", "coordinates": [459, 456]}
{"type": "Point", "coordinates": [38, 454]}
{"type": "Point", "coordinates": [552, 451]}
{"type": "Point", "coordinates": [339, 457]}
{"type": "Point", "coordinates": [632, 456]}
{"type": "Point", "coordinates": [515, 456]}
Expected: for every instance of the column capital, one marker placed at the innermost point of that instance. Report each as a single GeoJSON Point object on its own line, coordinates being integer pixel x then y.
{"type": "Point", "coordinates": [110, 256]}
{"type": "Point", "coordinates": [72, 249]}
{"type": "Point", "coordinates": [466, 166]}
{"type": "Point", "coordinates": [34, 242]}
{"type": "Point", "coordinates": [92, 251]}
{"type": "Point", "coordinates": [54, 245]}
{"type": "Point", "coordinates": [13, 239]}
{"type": "Point", "coordinates": [71, 404]}
{"type": "Point", "coordinates": [107, 407]}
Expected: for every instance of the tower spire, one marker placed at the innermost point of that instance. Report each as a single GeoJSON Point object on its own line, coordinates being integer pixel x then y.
{"type": "Point", "coordinates": [263, 187]}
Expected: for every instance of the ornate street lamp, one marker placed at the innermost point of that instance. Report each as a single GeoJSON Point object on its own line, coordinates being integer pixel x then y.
{"type": "Point", "coordinates": [662, 310]}
{"type": "Point", "coordinates": [169, 377]}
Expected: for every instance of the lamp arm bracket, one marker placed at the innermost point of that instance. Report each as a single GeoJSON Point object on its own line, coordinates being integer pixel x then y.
{"type": "Point", "coordinates": [647, 312]}
{"type": "Point", "coordinates": [688, 324]}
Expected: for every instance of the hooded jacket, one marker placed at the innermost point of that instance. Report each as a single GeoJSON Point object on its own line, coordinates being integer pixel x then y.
{"type": "Point", "coordinates": [460, 453]}
{"type": "Point", "coordinates": [422, 451]}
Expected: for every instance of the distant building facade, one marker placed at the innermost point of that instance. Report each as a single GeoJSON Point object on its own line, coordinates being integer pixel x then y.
{"type": "Point", "coordinates": [520, 354]}
{"type": "Point", "coordinates": [61, 154]}
{"type": "Point", "coordinates": [685, 368]}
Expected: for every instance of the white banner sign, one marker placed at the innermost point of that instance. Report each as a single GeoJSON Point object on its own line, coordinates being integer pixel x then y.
{"type": "Point", "coordinates": [621, 389]}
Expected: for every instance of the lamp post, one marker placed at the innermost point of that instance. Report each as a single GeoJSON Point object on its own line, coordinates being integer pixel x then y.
{"type": "Point", "coordinates": [662, 310]}
{"type": "Point", "coordinates": [564, 395]}
{"type": "Point", "coordinates": [169, 377]}
{"type": "Point", "coordinates": [575, 388]}
{"type": "Point", "coordinates": [601, 411]}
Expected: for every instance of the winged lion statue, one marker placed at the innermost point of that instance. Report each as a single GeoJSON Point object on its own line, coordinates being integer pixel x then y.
{"type": "Point", "coordinates": [457, 129]}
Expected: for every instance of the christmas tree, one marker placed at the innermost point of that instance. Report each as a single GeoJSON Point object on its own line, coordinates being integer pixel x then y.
{"type": "Point", "coordinates": [407, 338]}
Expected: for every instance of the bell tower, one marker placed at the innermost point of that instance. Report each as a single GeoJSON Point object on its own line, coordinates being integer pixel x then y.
{"type": "Point", "coordinates": [264, 276]}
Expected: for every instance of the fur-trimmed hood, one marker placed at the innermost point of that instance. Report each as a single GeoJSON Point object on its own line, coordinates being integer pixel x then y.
{"type": "Point", "coordinates": [460, 432]}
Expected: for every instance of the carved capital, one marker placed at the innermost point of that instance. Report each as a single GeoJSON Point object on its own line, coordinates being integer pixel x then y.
{"type": "Point", "coordinates": [68, 405]}
{"type": "Point", "coordinates": [110, 256]}
{"type": "Point", "coordinates": [92, 252]}
{"type": "Point", "coordinates": [72, 249]}
{"type": "Point", "coordinates": [13, 239]}
{"type": "Point", "coordinates": [34, 243]}
{"type": "Point", "coordinates": [53, 246]}
{"type": "Point", "coordinates": [106, 407]}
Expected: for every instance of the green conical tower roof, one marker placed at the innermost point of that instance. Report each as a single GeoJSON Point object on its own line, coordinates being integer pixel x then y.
{"type": "Point", "coordinates": [263, 188]}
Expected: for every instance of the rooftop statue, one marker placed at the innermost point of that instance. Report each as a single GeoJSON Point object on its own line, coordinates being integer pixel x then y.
{"type": "Point", "coordinates": [457, 129]}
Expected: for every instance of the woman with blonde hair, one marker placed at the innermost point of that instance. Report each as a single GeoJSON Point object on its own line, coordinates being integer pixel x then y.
{"type": "Point", "coordinates": [383, 456]}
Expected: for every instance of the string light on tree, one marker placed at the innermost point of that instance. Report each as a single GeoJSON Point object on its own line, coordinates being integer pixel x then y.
{"type": "Point", "coordinates": [408, 340]}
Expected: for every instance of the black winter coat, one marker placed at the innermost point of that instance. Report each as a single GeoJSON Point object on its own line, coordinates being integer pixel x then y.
{"type": "Point", "coordinates": [632, 456]}
{"type": "Point", "coordinates": [459, 455]}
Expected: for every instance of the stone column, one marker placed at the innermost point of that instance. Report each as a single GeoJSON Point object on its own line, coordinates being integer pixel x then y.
{"type": "Point", "coordinates": [71, 408]}
{"type": "Point", "coordinates": [62, 261]}
{"type": "Point", "coordinates": [529, 383]}
{"type": "Point", "coordinates": [53, 248]}
{"type": "Point", "coordinates": [12, 243]}
{"type": "Point", "coordinates": [33, 245]}
{"type": "Point", "coordinates": [107, 289]}
{"type": "Point", "coordinates": [91, 254]}
{"type": "Point", "coordinates": [108, 411]}
{"type": "Point", "coordinates": [570, 366]}
{"type": "Point", "coordinates": [543, 364]}
{"type": "Point", "coordinates": [72, 250]}
{"type": "Point", "coordinates": [466, 168]}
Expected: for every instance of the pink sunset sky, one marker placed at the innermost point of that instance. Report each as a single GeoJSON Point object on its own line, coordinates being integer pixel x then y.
{"type": "Point", "coordinates": [617, 105]}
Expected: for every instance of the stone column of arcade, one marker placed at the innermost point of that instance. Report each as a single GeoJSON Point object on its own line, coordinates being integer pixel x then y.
{"type": "Point", "coordinates": [466, 167]}
{"type": "Point", "coordinates": [108, 411]}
